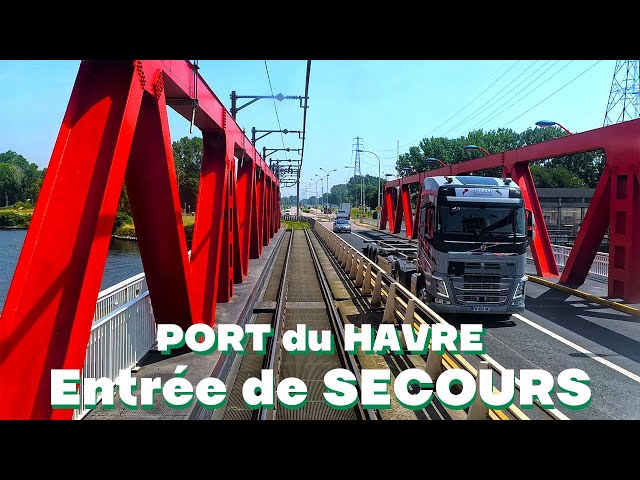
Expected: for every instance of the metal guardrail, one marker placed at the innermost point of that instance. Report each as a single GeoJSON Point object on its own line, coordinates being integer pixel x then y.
{"type": "Point", "coordinates": [118, 340]}
{"type": "Point", "coordinates": [599, 267]}
{"type": "Point", "coordinates": [119, 294]}
{"type": "Point", "coordinates": [401, 305]}
{"type": "Point", "coordinates": [123, 331]}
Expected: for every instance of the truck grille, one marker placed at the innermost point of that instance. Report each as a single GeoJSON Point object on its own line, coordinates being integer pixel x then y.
{"type": "Point", "coordinates": [481, 283]}
{"type": "Point", "coordinates": [496, 299]}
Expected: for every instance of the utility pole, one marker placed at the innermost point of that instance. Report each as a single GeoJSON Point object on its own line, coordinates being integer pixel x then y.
{"type": "Point", "coordinates": [624, 96]}
{"type": "Point", "coordinates": [357, 171]}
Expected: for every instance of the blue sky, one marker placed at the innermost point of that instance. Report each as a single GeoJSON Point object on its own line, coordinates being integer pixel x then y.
{"type": "Point", "coordinates": [380, 101]}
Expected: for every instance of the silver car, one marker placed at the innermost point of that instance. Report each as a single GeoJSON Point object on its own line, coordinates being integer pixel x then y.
{"type": "Point", "coordinates": [341, 225]}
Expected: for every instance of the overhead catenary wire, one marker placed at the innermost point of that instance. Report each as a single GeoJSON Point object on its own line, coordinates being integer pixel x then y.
{"type": "Point", "coordinates": [276, 109]}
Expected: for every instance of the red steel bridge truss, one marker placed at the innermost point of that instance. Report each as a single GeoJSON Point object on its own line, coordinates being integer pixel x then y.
{"type": "Point", "coordinates": [115, 130]}
{"type": "Point", "coordinates": [615, 204]}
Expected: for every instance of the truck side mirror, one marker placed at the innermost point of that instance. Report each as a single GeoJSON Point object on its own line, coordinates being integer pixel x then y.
{"type": "Point", "coordinates": [531, 230]}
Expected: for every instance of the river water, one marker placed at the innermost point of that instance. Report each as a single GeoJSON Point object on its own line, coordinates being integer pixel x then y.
{"type": "Point", "coordinates": [123, 260]}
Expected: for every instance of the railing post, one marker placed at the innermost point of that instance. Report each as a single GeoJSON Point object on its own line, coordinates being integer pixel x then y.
{"type": "Point", "coordinates": [360, 272]}
{"type": "Point", "coordinates": [408, 319]}
{"type": "Point", "coordinates": [354, 267]}
{"type": "Point", "coordinates": [390, 306]}
{"type": "Point", "coordinates": [366, 285]}
{"type": "Point", "coordinates": [434, 364]}
{"type": "Point", "coordinates": [376, 297]}
{"type": "Point", "coordinates": [478, 410]}
{"type": "Point", "coordinates": [349, 259]}
{"type": "Point", "coordinates": [341, 253]}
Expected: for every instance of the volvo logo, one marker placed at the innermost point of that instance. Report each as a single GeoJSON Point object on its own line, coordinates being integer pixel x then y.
{"type": "Point", "coordinates": [483, 247]}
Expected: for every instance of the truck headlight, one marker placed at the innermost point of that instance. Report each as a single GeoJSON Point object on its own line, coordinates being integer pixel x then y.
{"type": "Point", "coordinates": [519, 290]}
{"type": "Point", "coordinates": [441, 287]}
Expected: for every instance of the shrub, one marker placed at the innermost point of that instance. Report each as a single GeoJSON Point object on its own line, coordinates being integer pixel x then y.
{"type": "Point", "coordinates": [126, 230]}
{"type": "Point", "coordinates": [121, 220]}
{"type": "Point", "coordinates": [24, 205]}
{"type": "Point", "coordinates": [12, 219]}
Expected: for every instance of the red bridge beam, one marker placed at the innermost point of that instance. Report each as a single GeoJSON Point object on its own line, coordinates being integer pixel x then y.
{"type": "Point", "coordinates": [616, 202]}
{"type": "Point", "coordinates": [116, 131]}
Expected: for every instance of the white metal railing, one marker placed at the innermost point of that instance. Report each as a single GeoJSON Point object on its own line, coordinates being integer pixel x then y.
{"type": "Point", "coordinates": [599, 267]}
{"type": "Point", "coordinates": [118, 341]}
{"type": "Point", "coordinates": [123, 331]}
{"type": "Point", "coordinates": [119, 294]}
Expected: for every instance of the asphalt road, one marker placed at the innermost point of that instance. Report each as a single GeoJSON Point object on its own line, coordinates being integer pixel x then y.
{"type": "Point", "coordinates": [560, 331]}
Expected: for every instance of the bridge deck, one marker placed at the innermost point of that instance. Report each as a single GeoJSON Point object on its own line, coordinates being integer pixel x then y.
{"type": "Point", "coordinates": [155, 364]}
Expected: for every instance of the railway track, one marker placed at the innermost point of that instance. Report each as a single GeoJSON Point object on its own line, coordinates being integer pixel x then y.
{"type": "Point", "coordinates": [299, 294]}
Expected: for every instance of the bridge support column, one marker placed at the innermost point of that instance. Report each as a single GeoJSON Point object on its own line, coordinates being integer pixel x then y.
{"type": "Point", "coordinates": [541, 246]}
{"type": "Point", "coordinates": [388, 210]}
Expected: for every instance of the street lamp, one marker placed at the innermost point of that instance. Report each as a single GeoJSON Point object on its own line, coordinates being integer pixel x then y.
{"type": "Point", "coordinates": [320, 179]}
{"type": "Point", "coordinates": [329, 172]}
{"type": "Point", "coordinates": [314, 180]}
{"type": "Point", "coordinates": [476, 147]}
{"type": "Point", "coordinates": [432, 159]}
{"type": "Point", "coordinates": [549, 123]}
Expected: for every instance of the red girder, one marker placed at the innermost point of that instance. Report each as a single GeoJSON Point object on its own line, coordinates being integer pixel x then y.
{"type": "Point", "coordinates": [116, 130]}
{"type": "Point", "coordinates": [616, 203]}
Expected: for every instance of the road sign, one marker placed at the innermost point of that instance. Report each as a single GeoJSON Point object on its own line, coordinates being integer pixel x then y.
{"type": "Point", "coordinates": [378, 209]}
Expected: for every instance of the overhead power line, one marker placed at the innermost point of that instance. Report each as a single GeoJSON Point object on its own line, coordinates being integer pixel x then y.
{"type": "Point", "coordinates": [507, 105]}
{"type": "Point", "coordinates": [510, 106]}
{"type": "Point", "coordinates": [551, 95]}
{"type": "Point", "coordinates": [452, 116]}
{"type": "Point", "coordinates": [477, 97]}
{"type": "Point", "coordinates": [500, 94]}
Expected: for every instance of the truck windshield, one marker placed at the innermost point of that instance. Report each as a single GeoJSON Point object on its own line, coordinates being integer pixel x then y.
{"type": "Point", "coordinates": [498, 221]}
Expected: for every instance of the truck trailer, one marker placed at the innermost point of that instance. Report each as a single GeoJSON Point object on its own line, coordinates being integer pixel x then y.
{"type": "Point", "coordinates": [471, 250]}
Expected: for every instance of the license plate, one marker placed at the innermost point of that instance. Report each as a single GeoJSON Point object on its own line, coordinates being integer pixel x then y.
{"type": "Point", "coordinates": [481, 309]}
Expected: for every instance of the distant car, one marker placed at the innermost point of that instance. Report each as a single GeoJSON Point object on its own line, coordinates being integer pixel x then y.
{"type": "Point", "coordinates": [287, 211]}
{"type": "Point", "coordinates": [341, 225]}
{"type": "Point", "coordinates": [343, 214]}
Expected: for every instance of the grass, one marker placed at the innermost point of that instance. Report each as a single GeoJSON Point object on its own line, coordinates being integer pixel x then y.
{"type": "Point", "coordinates": [295, 224]}
{"type": "Point", "coordinates": [24, 211]}
{"type": "Point", "coordinates": [188, 220]}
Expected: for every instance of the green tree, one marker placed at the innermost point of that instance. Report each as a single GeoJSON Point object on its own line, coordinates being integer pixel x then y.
{"type": "Point", "coordinates": [187, 156]}
{"type": "Point", "coordinates": [555, 177]}
{"type": "Point", "coordinates": [11, 178]}
{"type": "Point", "coordinates": [586, 166]}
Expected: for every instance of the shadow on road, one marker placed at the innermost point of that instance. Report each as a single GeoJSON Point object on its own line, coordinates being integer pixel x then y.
{"type": "Point", "coordinates": [554, 306]}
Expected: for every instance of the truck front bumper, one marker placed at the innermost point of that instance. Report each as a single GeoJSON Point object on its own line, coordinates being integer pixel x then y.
{"type": "Point", "coordinates": [466, 309]}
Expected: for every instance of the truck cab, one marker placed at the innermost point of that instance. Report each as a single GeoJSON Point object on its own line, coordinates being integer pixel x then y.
{"type": "Point", "coordinates": [472, 245]}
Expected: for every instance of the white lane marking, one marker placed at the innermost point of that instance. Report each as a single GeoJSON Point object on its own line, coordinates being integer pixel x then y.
{"type": "Point", "coordinates": [554, 411]}
{"type": "Point", "coordinates": [607, 363]}
{"type": "Point", "coordinates": [363, 238]}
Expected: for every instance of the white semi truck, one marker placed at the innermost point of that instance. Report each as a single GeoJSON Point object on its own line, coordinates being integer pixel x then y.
{"type": "Point", "coordinates": [471, 248]}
